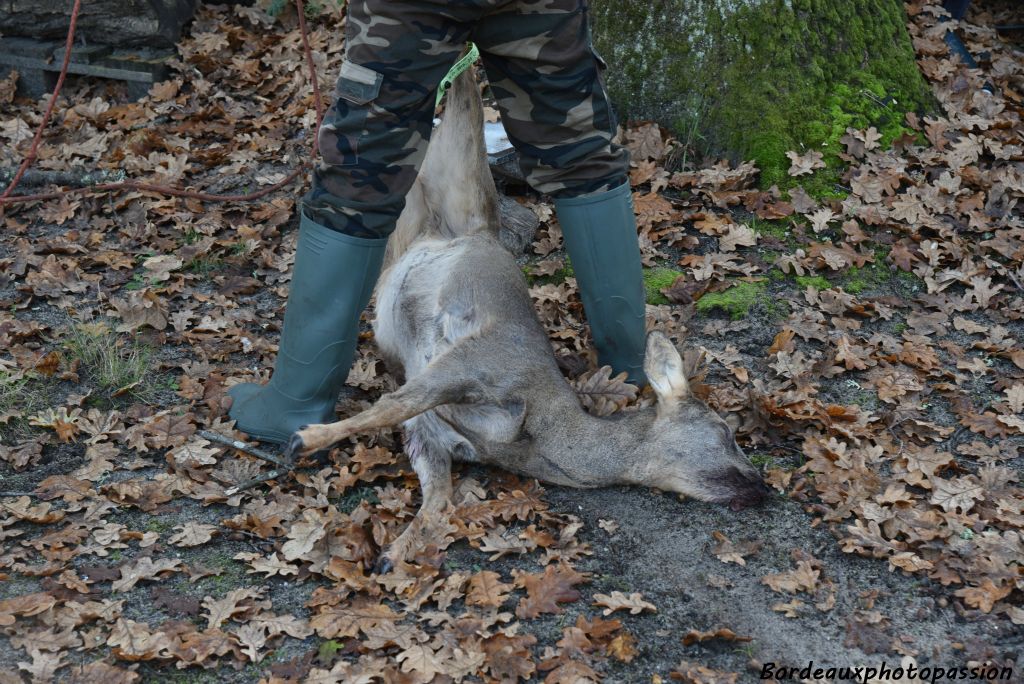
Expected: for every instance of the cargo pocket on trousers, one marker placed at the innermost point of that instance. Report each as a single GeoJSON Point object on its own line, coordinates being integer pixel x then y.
{"type": "Point", "coordinates": [359, 86]}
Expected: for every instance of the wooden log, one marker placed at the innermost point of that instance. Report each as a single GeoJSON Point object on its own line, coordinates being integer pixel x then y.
{"type": "Point", "coordinates": [154, 23]}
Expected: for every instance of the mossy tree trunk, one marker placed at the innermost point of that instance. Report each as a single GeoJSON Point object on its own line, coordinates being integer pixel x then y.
{"type": "Point", "coordinates": [756, 78]}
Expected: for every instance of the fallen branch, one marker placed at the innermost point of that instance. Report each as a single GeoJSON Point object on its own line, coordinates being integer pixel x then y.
{"type": "Point", "coordinates": [272, 475]}
{"type": "Point", "coordinates": [245, 448]}
{"type": "Point", "coordinates": [76, 179]}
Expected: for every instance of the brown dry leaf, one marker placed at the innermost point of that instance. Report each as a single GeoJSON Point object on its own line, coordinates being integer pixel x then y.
{"type": "Point", "coordinates": [617, 600]}
{"type": "Point", "coordinates": [134, 641]}
{"type": "Point", "coordinates": [139, 309]}
{"type": "Point", "coordinates": [803, 578]}
{"type": "Point", "coordinates": [348, 619]}
{"type": "Point", "coordinates": [693, 673]}
{"type": "Point", "coordinates": [303, 535]}
{"type": "Point", "coordinates": [219, 611]}
{"type": "Point", "coordinates": [791, 609]}
{"type": "Point", "coordinates": [487, 589]}
{"type": "Point", "coordinates": [957, 493]}
{"type": "Point", "coordinates": [509, 658]}
{"type": "Point", "coordinates": [601, 394]}
{"type": "Point", "coordinates": [270, 565]}
{"type": "Point", "coordinates": [724, 633]}
{"type": "Point", "coordinates": [728, 552]}
{"type": "Point", "coordinates": [645, 142]}
{"type": "Point", "coordinates": [193, 534]}
{"type": "Point", "coordinates": [44, 666]}
{"type": "Point", "coordinates": [423, 659]}
{"type": "Point", "coordinates": [145, 568]}
{"type": "Point", "coordinates": [546, 590]}
{"type": "Point", "coordinates": [738, 235]}
{"type": "Point", "coordinates": [805, 164]}
{"type": "Point", "coordinates": [25, 605]}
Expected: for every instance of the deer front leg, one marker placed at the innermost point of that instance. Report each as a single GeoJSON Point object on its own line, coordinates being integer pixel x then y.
{"type": "Point", "coordinates": [432, 462]}
{"type": "Point", "coordinates": [445, 381]}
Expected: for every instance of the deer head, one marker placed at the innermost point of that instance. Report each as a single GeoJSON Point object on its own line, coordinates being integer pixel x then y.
{"type": "Point", "coordinates": [691, 449]}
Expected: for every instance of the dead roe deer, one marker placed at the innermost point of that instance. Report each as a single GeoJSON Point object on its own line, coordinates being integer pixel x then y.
{"type": "Point", "coordinates": [454, 317]}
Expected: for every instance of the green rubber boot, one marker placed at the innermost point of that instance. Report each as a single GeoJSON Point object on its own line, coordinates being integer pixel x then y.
{"type": "Point", "coordinates": [332, 280]}
{"type": "Point", "coordinates": [600, 236]}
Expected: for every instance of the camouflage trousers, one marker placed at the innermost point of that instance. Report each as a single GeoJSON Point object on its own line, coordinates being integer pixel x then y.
{"type": "Point", "coordinates": [542, 71]}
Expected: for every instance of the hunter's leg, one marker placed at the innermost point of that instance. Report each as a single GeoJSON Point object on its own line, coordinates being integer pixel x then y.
{"type": "Point", "coordinates": [546, 78]}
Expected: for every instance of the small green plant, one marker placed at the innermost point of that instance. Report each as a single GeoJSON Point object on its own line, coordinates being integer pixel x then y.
{"type": "Point", "coordinates": [204, 266]}
{"type": "Point", "coordinates": [138, 282]}
{"type": "Point", "coordinates": [117, 365]}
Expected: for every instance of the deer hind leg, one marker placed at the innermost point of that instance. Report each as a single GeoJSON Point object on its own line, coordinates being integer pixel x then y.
{"type": "Point", "coordinates": [444, 381]}
{"type": "Point", "coordinates": [429, 443]}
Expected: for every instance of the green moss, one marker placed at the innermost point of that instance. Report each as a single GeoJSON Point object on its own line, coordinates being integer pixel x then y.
{"type": "Point", "coordinates": [558, 276]}
{"type": "Point", "coordinates": [756, 80]}
{"type": "Point", "coordinates": [159, 526]}
{"type": "Point", "coordinates": [351, 499]}
{"type": "Point", "coordinates": [817, 282]}
{"type": "Point", "coordinates": [762, 460]}
{"type": "Point", "coordinates": [877, 275]}
{"type": "Point", "coordinates": [735, 301]}
{"type": "Point", "coordinates": [657, 279]}
{"type": "Point", "coordinates": [777, 229]}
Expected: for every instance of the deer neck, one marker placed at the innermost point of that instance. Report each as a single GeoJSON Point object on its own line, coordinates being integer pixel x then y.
{"type": "Point", "coordinates": [574, 448]}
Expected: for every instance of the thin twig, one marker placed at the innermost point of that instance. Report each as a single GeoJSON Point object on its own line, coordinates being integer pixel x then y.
{"type": "Point", "coordinates": [245, 448]}
{"type": "Point", "coordinates": [13, 494]}
{"type": "Point", "coordinates": [272, 475]}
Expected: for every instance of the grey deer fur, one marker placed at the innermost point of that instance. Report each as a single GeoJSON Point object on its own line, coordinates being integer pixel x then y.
{"type": "Point", "coordinates": [454, 316]}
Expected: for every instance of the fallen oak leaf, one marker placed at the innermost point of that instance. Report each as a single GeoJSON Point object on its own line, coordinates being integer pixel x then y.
{"type": "Point", "coordinates": [791, 609]}
{"type": "Point", "coordinates": [694, 636]}
{"type": "Point", "coordinates": [601, 394]}
{"type": "Point", "coordinates": [546, 590]}
{"type": "Point", "coordinates": [145, 568]}
{"type": "Point", "coordinates": [26, 606]}
{"type": "Point", "coordinates": [219, 611]}
{"type": "Point", "coordinates": [193, 534]}
{"type": "Point", "coordinates": [803, 578]}
{"type": "Point", "coordinates": [805, 164]}
{"type": "Point", "coordinates": [693, 673]}
{"type": "Point", "coordinates": [622, 647]}
{"type": "Point", "coordinates": [487, 589]}
{"type": "Point", "coordinates": [729, 552]}
{"type": "Point", "coordinates": [617, 600]}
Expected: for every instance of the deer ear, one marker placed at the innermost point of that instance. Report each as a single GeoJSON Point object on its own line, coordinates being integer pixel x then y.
{"type": "Point", "coordinates": [664, 369]}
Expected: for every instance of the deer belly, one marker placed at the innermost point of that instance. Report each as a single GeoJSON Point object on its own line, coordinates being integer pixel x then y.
{"type": "Point", "coordinates": [405, 325]}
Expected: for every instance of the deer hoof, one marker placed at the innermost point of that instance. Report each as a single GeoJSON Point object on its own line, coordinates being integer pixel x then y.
{"type": "Point", "coordinates": [383, 565]}
{"type": "Point", "coordinates": [295, 445]}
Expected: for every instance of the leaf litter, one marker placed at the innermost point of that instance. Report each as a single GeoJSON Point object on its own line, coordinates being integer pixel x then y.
{"type": "Point", "coordinates": [884, 396]}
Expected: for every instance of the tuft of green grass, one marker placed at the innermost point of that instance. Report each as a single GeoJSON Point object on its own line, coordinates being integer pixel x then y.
{"type": "Point", "coordinates": [116, 365]}
{"type": "Point", "coordinates": [13, 391]}
{"type": "Point", "coordinates": [204, 266]}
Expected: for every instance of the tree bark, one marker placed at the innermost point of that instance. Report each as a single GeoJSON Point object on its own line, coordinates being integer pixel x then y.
{"type": "Point", "coordinates": [155, 23]}
{"type": "Point", "coordinates": [756, 78]}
